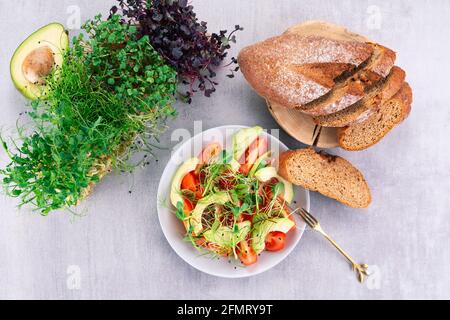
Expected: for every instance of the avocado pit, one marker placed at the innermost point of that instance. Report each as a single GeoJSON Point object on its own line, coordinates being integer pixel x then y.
{"type": "Point", "coordinates": [38, 64]}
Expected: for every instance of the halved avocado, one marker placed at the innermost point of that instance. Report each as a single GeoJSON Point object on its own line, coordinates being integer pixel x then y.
{"type": "Point", "coordinates": [36, 57]}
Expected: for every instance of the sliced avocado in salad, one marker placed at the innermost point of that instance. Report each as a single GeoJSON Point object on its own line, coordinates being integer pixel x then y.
{"type": "Point", "coordinates": [263, 228]}
{"type": "Point", "coordinates": [235, 165]}
{"type": "Point", "coordinates": [202, 204]}
{"type": "Point", "coordinates": [175, 190]}
{"type": "Point", "coordinates": [267, 173]}
{"type": "Point", "coordinates": [259, 162]}
{"type": "Point", "coordinates": [227, 237]}
{"type": "Point", "coordinates": [243, 139]}
{"type": "Point", "coordinates": [236, 205]}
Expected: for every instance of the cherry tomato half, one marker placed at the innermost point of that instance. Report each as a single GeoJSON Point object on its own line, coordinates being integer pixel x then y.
{"type": "Point", "coordinates": [211, 151]}
{"type": "Point", "coordinates": [201, 242]}
{"type": "Point", "coordinates": [187, 208]}
{"type": "Point", "coordinates": [246, 254]}
{"type": "Point", "coordinates": [246, 217]}
{"type": "Point", "coordinates": [275, 241]}
{"type": "Point", "coordinates": [256, 149]}
{"type": "Point", "coordinates": [192, 182]}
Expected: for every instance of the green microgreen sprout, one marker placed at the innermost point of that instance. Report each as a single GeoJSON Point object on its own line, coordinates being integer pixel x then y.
{"type": "Point", "coordinates": [111, 95]}
{"type": "Point", "coordinates": [180, 211]}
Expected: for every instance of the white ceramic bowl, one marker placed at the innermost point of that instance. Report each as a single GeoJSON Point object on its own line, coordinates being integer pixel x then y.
{"type": "Point", "coordinates": [174, 230]}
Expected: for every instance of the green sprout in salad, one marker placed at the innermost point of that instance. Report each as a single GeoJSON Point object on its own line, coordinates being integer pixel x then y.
{"type": "Point", "coordinates": [251, 210]}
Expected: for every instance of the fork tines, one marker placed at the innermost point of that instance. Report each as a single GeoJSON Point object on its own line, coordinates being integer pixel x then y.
{"type": "Point", "coordinates": [308, 218]}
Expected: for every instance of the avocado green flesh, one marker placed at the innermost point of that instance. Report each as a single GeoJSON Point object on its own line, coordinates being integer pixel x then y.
{"type": "Point", "coordinates": [53, 36]}
{"type": "Point", "coordinates": [202, 204]}
{"type": "Point", "coordinates": [263, 228]}
{"type": "Point", "coordinates": [243, 139]}
{"type": "Point", "coordinates": [235, 165]}
{"type": "Point", "coordinates": [267, 173]}
{"type": "Point", "coordinates": [258, 162]}
{"type": "Point", "coordinates": [226, 237]}
{"type": "Point", "coordinates": [175, 189]}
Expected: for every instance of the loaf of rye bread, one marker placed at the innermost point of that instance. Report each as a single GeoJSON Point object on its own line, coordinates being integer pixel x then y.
{"type": "Point", "coordinates": [327, 174]}
{"type": "Point", "coordinates": [338, 78]}
{"type": "Point", "coordinates": [297, 68]}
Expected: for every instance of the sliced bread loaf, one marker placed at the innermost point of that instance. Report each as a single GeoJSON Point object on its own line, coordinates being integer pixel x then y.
{"type": "Point", "coordinates": [297, 67]}
{"type": "Point", "coordinates": [350, 90]}
{"type": "Point", "coordinates": [367, 133]}
{"type": "Point", "coordinates": [330, 175]}
{"type": "Point", "coordinates": [375, 97]}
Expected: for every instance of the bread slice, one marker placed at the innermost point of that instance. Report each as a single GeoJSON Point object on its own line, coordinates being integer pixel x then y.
{"type": "Point", "coordinates": [297, 67]}
{"type": "Point", "coordinates": [367, 133]}
{"type": "Point", "coordinates": [330, 175]}
{"type": "Point", "coordinates": [375, 97]}
{"type": "Point", "coordinates": [351, 90]}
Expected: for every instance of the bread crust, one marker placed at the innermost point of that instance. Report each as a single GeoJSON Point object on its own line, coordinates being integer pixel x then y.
{"type": "Point", "coordinates": [407, 97]}
{"type": "Point", "coordinates": [330, 30]}
{"type": "Point", "coordinates": [327, 160]}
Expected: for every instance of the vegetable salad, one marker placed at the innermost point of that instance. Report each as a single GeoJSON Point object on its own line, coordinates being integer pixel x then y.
{"type": "Point", "coordinates": [232, 202]}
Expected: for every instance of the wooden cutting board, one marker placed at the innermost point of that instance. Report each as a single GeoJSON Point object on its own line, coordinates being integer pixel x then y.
{"type": "Point", "coordinates": [302, 127]}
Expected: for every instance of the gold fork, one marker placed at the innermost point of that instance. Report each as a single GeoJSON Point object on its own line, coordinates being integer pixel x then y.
{"type": "Point", "coordinates": [314, 224]}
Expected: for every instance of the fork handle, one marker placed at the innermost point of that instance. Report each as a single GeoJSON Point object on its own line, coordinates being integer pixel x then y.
{"type": "Point", "coordinates": [338, 247]}
{"type": "Point", "coordinates": [361, 269]}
